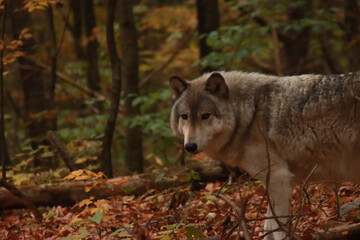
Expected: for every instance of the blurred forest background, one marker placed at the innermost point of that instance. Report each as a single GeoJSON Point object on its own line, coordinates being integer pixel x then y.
{"type": "Point", "coordinates": [85, 82]}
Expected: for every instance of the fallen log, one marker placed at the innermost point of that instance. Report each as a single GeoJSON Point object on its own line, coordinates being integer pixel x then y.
{"type": "Point", "coordinates": [68, 193]}
{"type": "Point", "coordinates": [344, 231]}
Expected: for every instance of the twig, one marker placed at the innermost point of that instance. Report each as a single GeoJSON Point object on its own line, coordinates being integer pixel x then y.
{"type": "Point", "coordinates": [335, 187]}
{"type": "Point", "coordinates": [55, 142]}
{"type": "Point", "coordinates": [301, 204]}
{"type": "Point", "coordinates": [240, 214]}
{"type": "Point", "coordinates": [281, 225]}
{"type": "Point", "coordinates": [66, 79]}
{"type": "Point", "coordinates": [180, 46]}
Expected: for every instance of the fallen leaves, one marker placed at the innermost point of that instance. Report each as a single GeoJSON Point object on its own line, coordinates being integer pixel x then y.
{"type": "Point", "coordinates": [178, 214]}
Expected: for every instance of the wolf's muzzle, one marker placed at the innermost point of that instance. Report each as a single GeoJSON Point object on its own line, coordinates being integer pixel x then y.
{"type": "Point", "coordinates": [191, 147]}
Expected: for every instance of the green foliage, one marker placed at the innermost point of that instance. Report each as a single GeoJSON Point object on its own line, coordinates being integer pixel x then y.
{"type": "Point", "coordinates": [154, 121]}
{"type": "Point", "coordinates": [193, 233]}
{"type": "Point", "coordinates": [89, 126]}
{"type": "Point", "coordinates": [119, 231]}
{"type": "Point", "coordinates": [98, 216]}
{"type": "Point", "coordinates": [250, 37]}
{"type": "Point", "coordinates": [82, 234]}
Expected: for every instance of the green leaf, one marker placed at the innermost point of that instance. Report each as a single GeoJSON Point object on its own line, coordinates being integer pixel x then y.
{"type": "Point", "coordinates": [82, 234]}
{"type": "Point", "coordinates": [98, 216]}
{"type": "Point", "coordinates": [50, 214]}
{"type": "Point", "coordinates": [173, 227]}
{"type": "Point", "coordinates": [118, 231]}
{"type": "Point", "coordinates": [193, 233]}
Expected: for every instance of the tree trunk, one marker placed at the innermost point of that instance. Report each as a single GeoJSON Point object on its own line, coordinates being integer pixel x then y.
{"type": "Point", "coordinates": [3, 146]}
{"type": "Point", "coordinates": [76, 28]}
{"type": "Point", "coordinates": [208, 21]}
{"type": "Point", "coordinates": [92, 45]}
{"type": "Point", "coordinates": [130, 80]}
{"type": "Point", "coordinates": [51, 81]}
{"type": "Point", "coordinates": [352, 22]}
{"type": "Point", "coordinates": [32, 80]}
{"type": "Point", "coordinates": [296, 43]}
{"type": "Point", "coordinates": [106, 162]}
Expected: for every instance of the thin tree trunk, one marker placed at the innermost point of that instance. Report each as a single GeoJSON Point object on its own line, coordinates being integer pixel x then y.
{"type": "Point", "coordinates": [130, 79]}
{"type": "Point", "coordinates": [50, 96]}
{"type": "Point", "coordinates": [92, 45]}
{"type": "Point", "coordinates": [105, 156]}
{"type": "Point", "coordinates": [352, 22]}
{"type": "Point", "coordinates": [3, 147]}
{"type": "Point", "coordinates": [76, 28]}
{"type": "Point", "coordinates": [32, 81]}
{"type": "Point", "coordinates": [208, 21]}
{"type": "Point", "coordinates": [296, 43]}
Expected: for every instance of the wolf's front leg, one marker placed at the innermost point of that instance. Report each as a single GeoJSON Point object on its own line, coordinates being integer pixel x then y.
{"type": "Point", "coordinates": [280, 192]}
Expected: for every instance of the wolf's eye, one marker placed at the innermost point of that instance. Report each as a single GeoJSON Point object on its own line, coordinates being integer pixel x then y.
{"type": "Point", "coordinates": [205, 116]}
{"type": "Point", "coordinates": [184, 116]}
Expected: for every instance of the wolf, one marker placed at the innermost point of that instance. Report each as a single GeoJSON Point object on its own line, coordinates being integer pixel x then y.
{"type": "Point", "coordinates": [281, 130]}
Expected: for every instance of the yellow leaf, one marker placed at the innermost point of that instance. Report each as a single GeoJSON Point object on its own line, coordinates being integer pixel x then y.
{"type": "Point", "coordinates": [74, 174]}
{"type": "Point", "coordinates": [94, 210]}
{"type": "Point", "coordinates": [103, 203]}
{"type": "Point", "coordinates": [27, 36]}
{"type": "Point", "coordinates": [87, 189]}
{"type": "Point", "coordinates": [83, 177]}
{"type": "Point", "coordinates": [86, 202]}
{"type": "Point", "coordinates": [90, 173]}
{"type": "Point", "coordinates": [25, 30]}
{"type": "Point", "coordinates": [39, 7]}
{"type": "Point", "coordinates": [80, 160]}
{"type": "Point", "coordinates": [158, 161]}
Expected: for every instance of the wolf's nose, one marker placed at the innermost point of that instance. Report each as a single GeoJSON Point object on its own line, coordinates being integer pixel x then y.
{"type": "Point", "coordinates": [190, 147]}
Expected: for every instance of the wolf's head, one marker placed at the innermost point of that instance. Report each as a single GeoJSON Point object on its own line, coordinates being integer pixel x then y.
{"type": "Point", "coordinates": [201, 112]}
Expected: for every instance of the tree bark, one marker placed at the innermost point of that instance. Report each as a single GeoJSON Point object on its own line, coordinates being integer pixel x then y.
{"type": "Point", "coordinates": [106, 162]}
{"type": "Point", "coordinates": [296, 43]}
{"type": "Point", "coordinates": [76, 28]}
{"type": "Point", "coordinates": [133, 153]}
{"type": "Point", "coordinates": [50, 83]}
{"type": "Point", "coordinates": [208, 21]}
{"type": "Point", "coordinates": [352, 32]}
{"type": "Point", "coordinates": [92, 45]}
{"type": "Point", "coordinates": [3, 147]}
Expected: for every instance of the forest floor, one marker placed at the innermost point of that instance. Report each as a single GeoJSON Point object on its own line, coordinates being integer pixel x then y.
{"type": "Point", "coordinates": [182, 213]}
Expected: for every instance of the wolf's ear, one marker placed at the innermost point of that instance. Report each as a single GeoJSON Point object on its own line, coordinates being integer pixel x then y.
{"type": "Point", "coordinates": [177, 86]}
{"type": "Point", "coordinates": [216, 85]}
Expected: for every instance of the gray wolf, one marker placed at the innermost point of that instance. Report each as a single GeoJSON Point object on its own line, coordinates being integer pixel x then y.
{"type": "Point", "coordinates": [283, 130]}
